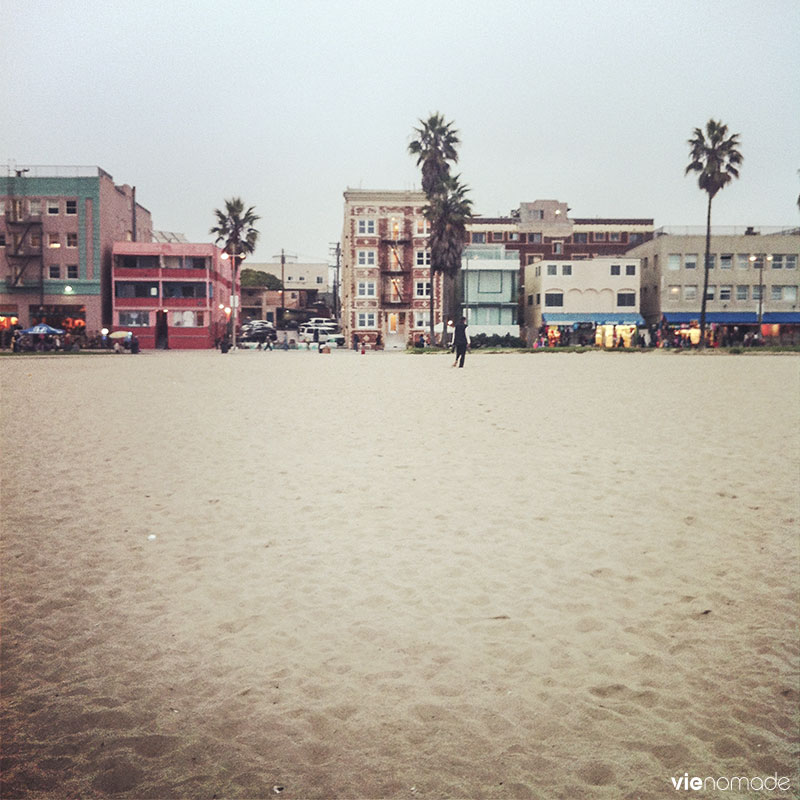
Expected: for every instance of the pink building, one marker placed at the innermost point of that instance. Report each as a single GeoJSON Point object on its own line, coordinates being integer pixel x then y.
{"type": "Point", "coordinates": [171, 295]}
{"type": "Point", "coordinates": [57, 228]}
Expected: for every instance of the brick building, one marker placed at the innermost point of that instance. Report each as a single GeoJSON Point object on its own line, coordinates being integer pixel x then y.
{"type": "Point", "coordinates": [386, 274]}
{"type": "Point", "coordinates": [57, 229]}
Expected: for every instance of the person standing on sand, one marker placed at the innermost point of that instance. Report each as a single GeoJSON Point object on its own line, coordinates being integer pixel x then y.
{"type": "Point", "coordinates": [461, 341]}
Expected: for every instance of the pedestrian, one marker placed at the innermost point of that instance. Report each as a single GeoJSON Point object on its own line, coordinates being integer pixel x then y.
{"type": "Point", "coordinates": [461, 341]}
{"type": "Point", "coordinates": [355, 342]}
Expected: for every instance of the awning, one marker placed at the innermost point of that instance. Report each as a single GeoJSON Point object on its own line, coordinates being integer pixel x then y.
{"type": "Point", "coordinates": [561, 318]}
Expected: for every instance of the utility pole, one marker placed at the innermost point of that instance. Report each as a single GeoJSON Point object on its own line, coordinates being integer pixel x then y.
{"type": "Point", "coordinates": [336, 249]}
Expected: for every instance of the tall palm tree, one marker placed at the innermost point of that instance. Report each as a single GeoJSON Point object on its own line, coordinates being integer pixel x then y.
{"type": "Point", "coordinates": [434, 147]}
{"type": "Point", "coordinates": [235, 227]}
{"type": "Point", "coordinates": [715, 157]}
{"type": "Point", "coordinates": [448, 211]}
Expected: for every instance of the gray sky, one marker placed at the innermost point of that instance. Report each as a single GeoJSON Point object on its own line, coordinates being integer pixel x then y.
{"type": "Point", "coordinates": [286, 103]}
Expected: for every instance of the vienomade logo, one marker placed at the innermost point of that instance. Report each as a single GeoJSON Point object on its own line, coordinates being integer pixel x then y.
{"type": "Point", "coordinates": [732, 784]}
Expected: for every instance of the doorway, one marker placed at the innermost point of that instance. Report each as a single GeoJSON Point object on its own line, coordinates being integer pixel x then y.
{"type": "Point", "coordinates": [162, 331]}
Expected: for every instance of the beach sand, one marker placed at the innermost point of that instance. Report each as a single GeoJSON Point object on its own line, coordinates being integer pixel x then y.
{"type": "Point", "coordinates": [345, 576]}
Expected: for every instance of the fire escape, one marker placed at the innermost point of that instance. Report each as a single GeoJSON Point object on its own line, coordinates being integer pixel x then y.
{"type": "Point", "coordinates": [396, 276]}
{"type": "Point", "coordinates": [24, 248]}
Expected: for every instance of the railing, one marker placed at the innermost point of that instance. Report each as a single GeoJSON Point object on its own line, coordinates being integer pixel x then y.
{"type": "Point", "coordinates": [727, 230]}
{"type": "Point", "coordinates": [44, 171]}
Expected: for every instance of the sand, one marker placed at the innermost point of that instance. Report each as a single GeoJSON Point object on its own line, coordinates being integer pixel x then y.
{"type": "Point", "coordinates": [345, 576]}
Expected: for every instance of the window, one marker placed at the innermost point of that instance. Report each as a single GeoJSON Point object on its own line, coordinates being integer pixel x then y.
{"type": "Point", "coordinates": [726, 261]}
{"type": "Point", "coordinates": [725, 292]}
{"type": "Point", "coordinates": [366, 227]}
{"type": "Point", "coordinates": [712, 260]}
{"type": "Point", "coordinates": [422, 288]}
{"type": "Point", "coordinates": [580, 238]}
{"type": "Point", "coordinates": [690, 261]}
{"type": "Point", "coordinates": [35, 208]}
{"type": "Point", "coordinates": [490, 282]}
{"type": "Point", "coordinates": [72, 240]}
{"type": "Point", "coordinates": [530, 299]}
{"type": "Point", "coordinates": [188, 319]}
{"type": "Point", "coordinates": [422, 319]}
{"type": "Point", "coordinates": [53, 241]}
{"type": "Point", "coordinates": [319, 278]}
{"type": "Point", "coordinates": [674, 293]}
{"type": "Point", "coordinates": [365, 319]}
{"type": "Point", "coordinates": [422, 258]}
{"type": "Point", "coordinates": [690, 292]}
{"type": "Point", "coordinates": [711, 293]}
{"type": "Point", "coordinates": [535, 238]}
{"type": "Point", "coordinates": [55, 271]}
{"type": "Point", "coordinates": [72, 206]}
{"type": "Point", "coordinates": [366, 288]}
{"type": "Point", "coordinates": [479, 238]}
{"type": "Point", "coordinates": [790, 262]}
{"type": "Point", "coordinates": [553, 299]}
{"type": "Point", "coordinates": [423, 226]}
{"type": "Point", "coordinates": [743, 260]}
{"type": "Point", "coordinates": [197, 262]}
{"type": "Point", "coordinates": [674, 262]}
{"type": "Point", "coordinates": [134, 319]}
{"type": "Point", "coordinates": [615, 237]}
{"type": "Point", "coordinates": [598, 237]}
{"type": "Point", "coordinates": [302, 278]}
{"type": "Point", "coordinates": [366, 258]}
{"type": "Point", "coordinates": [194, 289]}
{"type": "Point", "coordinates": [757, 292]}
{"type": "Point", "coordinates": [538, 298]}
{"type": "Point", "coordinates": [36, 240]}
{"type": "Point", "coordinates": [513, 237]}
{"type": "Point", "coordinates": [72, 271]}
{"type": "Point", "coordinates": [135, 289]}
{"type": "Point", "coordinates": [790, 294]}
{"type": "Point", "coordinates": [558, 248]}
{"type": "Point", "coordinates": [757, 261]}
{"type": "Point", "coordinates": [742, 292]}
{"type": "Point", "coordinates": [566, 269]}
{"type": "Point", "coordinates": [552, 269]}
{"type": "Point", "coordinates": [615, 269]}
{"type": "Point", "coordinates": [497, 236]}
{"type": "Point", "coordinates": [626, 299]}
{"type": "Point", "coordinates": [777, 293]}
{"type": "Point", "coordinates": [2, 240]}
{"type": "Point", "coordinates": [630, 269]}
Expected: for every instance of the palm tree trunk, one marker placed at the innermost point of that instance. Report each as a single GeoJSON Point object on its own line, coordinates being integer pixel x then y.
{"type": "Point", "coordinates": [430, 298]}
{"type": "Point", "coordinates": [705, 276]}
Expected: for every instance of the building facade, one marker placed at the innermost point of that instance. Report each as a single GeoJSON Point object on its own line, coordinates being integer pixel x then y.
{"type": "Point", "coordinates": [488, 289]}
{"type": "Point", "coordinates": [57, 229]}
{"type": "Point", "coordinates": [171, 295]}
{"type": "Point", "coordinates": [543, 230]}
{"type": "Point", "coordinates": [753, 278]}
{"type": "Point", "coordinates": [386, 269]}
{"type": "Point", "coordinates": [306, 285]}
{"type": "Point", "coordinates": [571, 299]}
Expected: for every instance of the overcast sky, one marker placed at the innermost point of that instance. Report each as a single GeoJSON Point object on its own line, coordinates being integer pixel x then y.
{"type": "Point", "coordinates": [286, 103]}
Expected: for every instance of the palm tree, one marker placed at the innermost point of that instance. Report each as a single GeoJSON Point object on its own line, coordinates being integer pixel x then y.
{"type": "Point", "coordinates": [434, 147]}
{"type": "Point", "coordinates": [448, 208]}
{"type": "Point", "coordinates": [235, 228]}
{"type": "Point", "coordinates": [448, 211]}
{"type": "Point", "coordinates": [714, 155]}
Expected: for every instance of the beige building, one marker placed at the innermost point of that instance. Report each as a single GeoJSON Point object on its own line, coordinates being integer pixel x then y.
{"type": "Point", "coordinates": [386, 273]}
{"type": "Point", "coordinates": [580, 294]}
{"type": "Point", "coordinates": [753, 276]}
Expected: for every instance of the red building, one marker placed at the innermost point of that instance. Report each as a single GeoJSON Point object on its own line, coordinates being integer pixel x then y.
{"type": "Point", "coordinates": [171, 295]}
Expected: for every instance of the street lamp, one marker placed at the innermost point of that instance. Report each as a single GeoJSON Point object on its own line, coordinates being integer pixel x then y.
{"type": "Point", "coordinates": [234, 296]}
{"type": "Point", "coordinates": [758, 263]}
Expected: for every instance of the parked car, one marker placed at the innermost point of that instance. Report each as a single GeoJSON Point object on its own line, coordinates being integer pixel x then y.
{"type": "Point", "coordinates": [259, 329]}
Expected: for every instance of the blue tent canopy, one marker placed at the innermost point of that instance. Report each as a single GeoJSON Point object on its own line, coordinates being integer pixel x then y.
{"type": "Point", "coordinates": [42, 329]}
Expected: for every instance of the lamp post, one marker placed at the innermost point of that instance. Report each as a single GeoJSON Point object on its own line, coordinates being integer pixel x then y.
{"type": "Point", "coordinates": [758, 263]}
{"type": "Point", "coordinates": [234, 296]}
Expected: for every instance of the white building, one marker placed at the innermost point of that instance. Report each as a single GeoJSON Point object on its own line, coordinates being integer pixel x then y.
{"type": "Point", "coordinates": [582, 294]}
